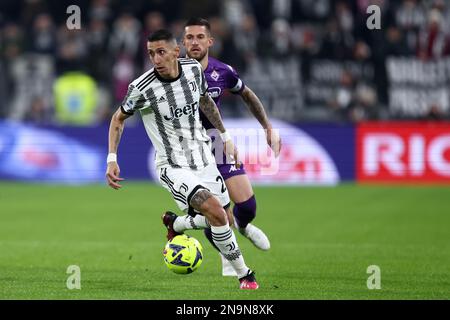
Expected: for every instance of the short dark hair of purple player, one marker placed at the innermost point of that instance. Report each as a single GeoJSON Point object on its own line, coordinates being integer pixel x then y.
{"type": "Point", "coordinates": [198, 22]}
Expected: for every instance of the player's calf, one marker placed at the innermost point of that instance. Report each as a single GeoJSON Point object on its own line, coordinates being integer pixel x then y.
{"type": "Point", "coordinates": [210, 207]}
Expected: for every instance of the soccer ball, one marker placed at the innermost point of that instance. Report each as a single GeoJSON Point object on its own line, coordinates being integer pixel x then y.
{"type": "Point", "coordinates": [183, 254]}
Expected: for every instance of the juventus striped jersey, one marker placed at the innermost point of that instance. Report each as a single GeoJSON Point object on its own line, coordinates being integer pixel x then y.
{"type": "Point", "coordinates": [170, 112]}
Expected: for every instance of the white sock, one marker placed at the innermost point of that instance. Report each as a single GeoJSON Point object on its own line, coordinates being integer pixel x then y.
{"type": "Point", "coordinates": [188, 222]}
{"type": "Point", "coordinates": [225, 240]}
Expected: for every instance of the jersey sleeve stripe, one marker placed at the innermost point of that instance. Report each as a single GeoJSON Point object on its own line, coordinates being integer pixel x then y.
{"type": "Point", "coordinates": [145, 83]}
{"type": "Point", "coordinates": [238, 87]}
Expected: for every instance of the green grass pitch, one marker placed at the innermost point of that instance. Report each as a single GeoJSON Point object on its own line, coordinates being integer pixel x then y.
{"type": "Point", "coordinates": [323, 240]}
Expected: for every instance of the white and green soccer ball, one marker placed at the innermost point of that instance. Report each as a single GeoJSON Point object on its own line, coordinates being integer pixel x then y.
{"type": "Point", "coordinates": [183, 254]}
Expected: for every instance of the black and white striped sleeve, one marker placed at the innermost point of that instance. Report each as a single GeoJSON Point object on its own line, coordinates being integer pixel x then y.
{"type": "Point", "coordinates": [132, 100]}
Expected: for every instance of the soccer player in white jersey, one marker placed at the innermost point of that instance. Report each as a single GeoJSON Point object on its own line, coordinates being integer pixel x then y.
{"type": "Point", "coordinates": [168, 98]}
{"type": "Point", "coordinates": [221, 77]}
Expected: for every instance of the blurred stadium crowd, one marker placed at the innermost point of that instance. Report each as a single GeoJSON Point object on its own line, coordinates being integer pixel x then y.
{"type": "Point", "coordinates": [306, 59]}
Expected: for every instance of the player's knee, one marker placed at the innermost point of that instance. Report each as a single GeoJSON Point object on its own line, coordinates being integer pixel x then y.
{"type": "Point", "coordinates": [210, 207]}
{"type": "Point", "coordinates": [217, 215]}
{"type": "Point", "coordinates": [245, 212]}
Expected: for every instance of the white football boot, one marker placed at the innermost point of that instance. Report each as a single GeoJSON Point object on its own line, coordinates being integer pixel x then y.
{"type": "Point", "coordinates": [256, 236]}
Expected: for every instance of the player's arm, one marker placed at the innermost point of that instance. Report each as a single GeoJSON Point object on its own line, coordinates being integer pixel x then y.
{"type": "Point", "coordinates": [115, 133]}
{"type": "Point", "coordinates": [210, 110]}
{"type": "Point", "coordinates": [256, 107]}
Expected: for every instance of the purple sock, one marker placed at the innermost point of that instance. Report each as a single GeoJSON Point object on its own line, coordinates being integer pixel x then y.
{"type": "Point", "coordinates": [245, 212]}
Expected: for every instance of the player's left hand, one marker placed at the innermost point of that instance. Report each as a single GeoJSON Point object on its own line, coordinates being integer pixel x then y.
{"type": "Point", "coordinates": [274, 141]}
{"type": "Point", "coordinates": [232, 152]}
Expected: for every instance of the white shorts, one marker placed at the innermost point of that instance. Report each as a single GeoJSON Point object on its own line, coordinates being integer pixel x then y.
{"type": "Point", "coordinates": [183, 184]}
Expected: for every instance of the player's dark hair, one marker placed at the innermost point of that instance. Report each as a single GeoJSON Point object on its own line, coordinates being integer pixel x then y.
{"type": "Point", "coordinates": [161, 34]}
{"type": "Point", "coordinates": [198, 22]}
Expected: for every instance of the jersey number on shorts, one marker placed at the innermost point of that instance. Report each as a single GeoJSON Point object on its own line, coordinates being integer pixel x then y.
{"type": "Point", "coordinates": [223, 189]}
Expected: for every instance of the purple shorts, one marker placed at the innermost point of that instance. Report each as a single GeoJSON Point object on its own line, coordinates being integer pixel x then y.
{"type": "Point", "coordinates": [230, 170]}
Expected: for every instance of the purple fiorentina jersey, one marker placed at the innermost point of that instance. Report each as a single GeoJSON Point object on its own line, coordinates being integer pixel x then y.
{"type": "Point", "coordinates": [220, 77]}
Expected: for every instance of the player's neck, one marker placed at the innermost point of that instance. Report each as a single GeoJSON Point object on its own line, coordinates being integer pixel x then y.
{"type": "Point", "coordinates": [204, 62]}
{"type": "Point", "coordinates": [173, 72]}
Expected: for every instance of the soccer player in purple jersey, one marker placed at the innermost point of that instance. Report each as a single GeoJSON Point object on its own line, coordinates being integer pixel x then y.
{"type": "Point", "coordinates": [221, 77]}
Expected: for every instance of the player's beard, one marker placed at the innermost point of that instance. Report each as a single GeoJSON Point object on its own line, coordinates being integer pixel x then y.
{"type": "Point", "coordinates": [198, 55]}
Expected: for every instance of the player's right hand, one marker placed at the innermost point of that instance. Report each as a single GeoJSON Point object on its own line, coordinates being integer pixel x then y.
{"type": "Point", "coordinates": [274, 141]}
{"type": "Point", "coordinates": [112, 175]}
{"type": "Point", "coordinates": [231, 152]}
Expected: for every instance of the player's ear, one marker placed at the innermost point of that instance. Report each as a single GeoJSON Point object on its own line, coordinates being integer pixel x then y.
{"type": "Point", "coordinates": [210, 41]}
{"type": "Point", "coordinates": [177, 51]}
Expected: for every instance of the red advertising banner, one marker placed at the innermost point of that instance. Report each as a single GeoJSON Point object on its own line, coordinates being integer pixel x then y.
{"type": "Point", "coordinates": [417, 152]}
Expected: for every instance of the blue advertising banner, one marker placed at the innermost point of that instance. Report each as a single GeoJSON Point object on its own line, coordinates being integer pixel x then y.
{"type": "Point", "coordinates": [339, 141]}
{"type": "Point", "coordinates": [47, 155]}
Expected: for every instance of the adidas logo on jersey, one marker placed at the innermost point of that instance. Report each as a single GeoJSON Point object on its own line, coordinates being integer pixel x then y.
{"type": "Point", "coordinates": [162, 99]}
